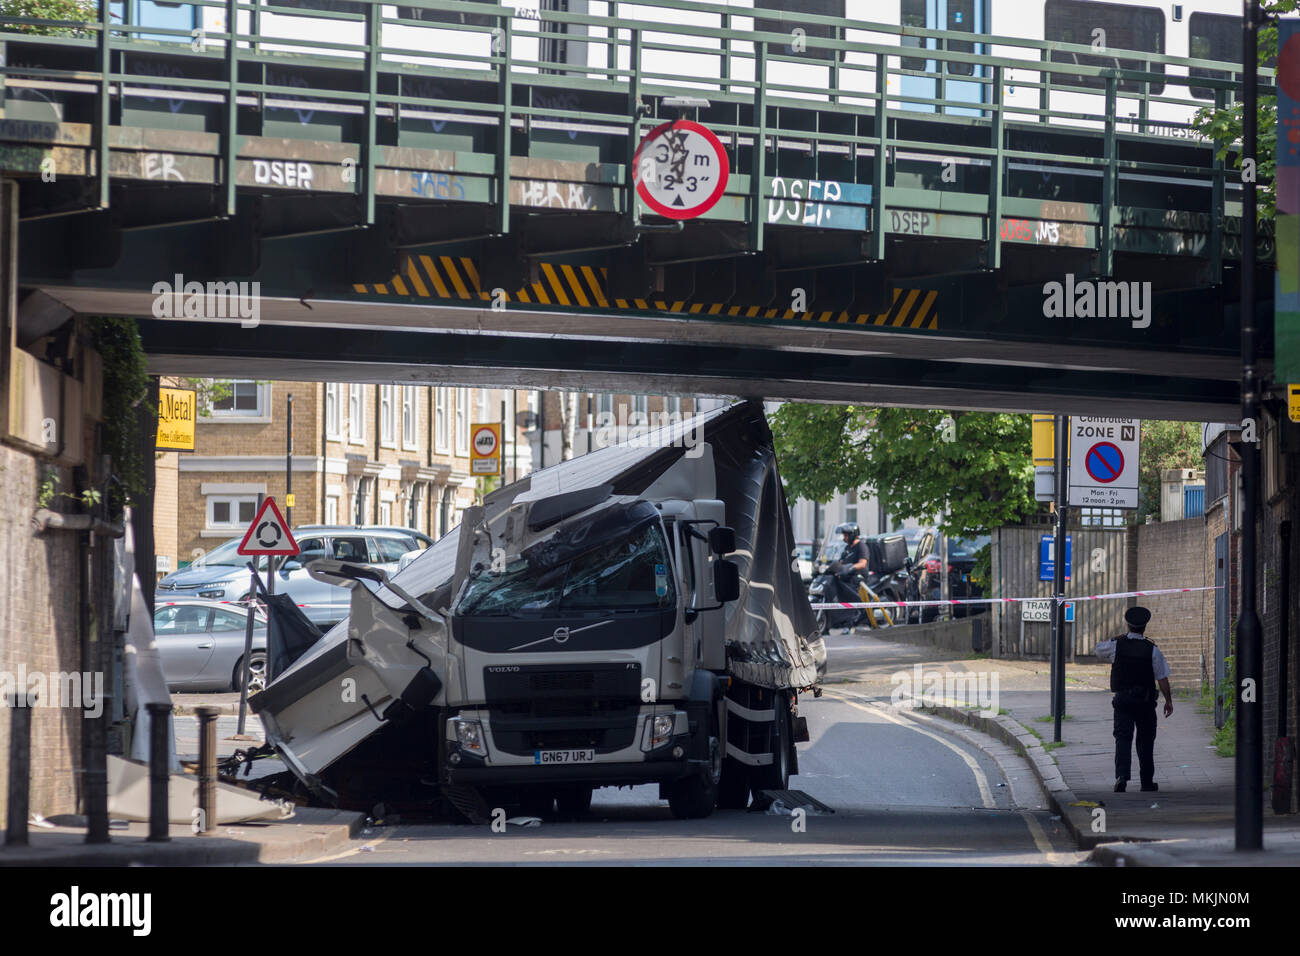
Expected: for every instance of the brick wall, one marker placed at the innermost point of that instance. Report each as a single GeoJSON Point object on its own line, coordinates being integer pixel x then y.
{"type": "Point", "coordinates": [39, 633]}
{"type": "Point", "coordinates": [1172, 554]}
{"type": "Point", "coordinates": [166, 519]}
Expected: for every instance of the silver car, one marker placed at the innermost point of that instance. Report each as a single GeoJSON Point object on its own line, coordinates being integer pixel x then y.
{"type": "Point", "coordinates": [201, 644]}
{"type": "Point", "coordinates": [222, 574]}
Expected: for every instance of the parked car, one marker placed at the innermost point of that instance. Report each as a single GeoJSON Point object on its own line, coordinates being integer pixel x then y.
{"type": "Point", "coordinates": [201, 644]}
{"type": "Point", "coordinates": [422, 540]}
{"type": "Point", "coordinates": [222, 573]}
{"type": "Point", "coordinates": [961, 562]}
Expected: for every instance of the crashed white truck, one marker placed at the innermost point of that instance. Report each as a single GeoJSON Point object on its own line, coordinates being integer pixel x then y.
{"type": "Point", "coordinates": [629, 617]}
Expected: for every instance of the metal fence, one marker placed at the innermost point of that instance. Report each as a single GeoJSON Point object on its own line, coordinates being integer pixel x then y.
{"type": "Point", "coordinates": [1099, 563]}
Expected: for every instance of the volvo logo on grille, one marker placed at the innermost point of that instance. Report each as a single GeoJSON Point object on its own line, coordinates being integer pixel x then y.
{"type": "Point", "coordinates": [504, 669]}
{"type": "Point", "coordinates": [561, 634]}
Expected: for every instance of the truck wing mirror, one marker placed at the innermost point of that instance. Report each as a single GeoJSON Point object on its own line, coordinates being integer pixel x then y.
{"type": "Point", "coordinates": [722, 540]}
{"type": "Point", "coordinates": [726, 580]}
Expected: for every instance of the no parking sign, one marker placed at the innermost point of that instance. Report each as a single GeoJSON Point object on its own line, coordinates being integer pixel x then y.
{"type": "Point", "coordinates": [1104, 462]}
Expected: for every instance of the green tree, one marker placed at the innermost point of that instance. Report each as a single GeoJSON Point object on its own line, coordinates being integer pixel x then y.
{"type": "Point", "coordinates": [1224, 126]}
{"type": "Point", "coordinates": [77, 11]}
{"type": "Point", "coordinates": [969, 471]}
{"type": "Point", "coordinates": [1164, 445]}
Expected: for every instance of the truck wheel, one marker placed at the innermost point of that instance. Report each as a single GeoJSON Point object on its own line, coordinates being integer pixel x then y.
{"type": "Point", "coordinates": [572, 802]}
{"type": "Point", "coordinates": [776, 775]}
{"type": "Point", "coordinates": [694, 797]}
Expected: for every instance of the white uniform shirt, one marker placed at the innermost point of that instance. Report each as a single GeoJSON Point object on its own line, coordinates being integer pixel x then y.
{"type": "Point", "coordinates": [1106, 652]}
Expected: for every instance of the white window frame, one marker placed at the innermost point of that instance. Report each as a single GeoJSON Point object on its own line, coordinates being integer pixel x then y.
{"type": "Point", "coordinates": [334, 401]}
{"type": "Point", "coordinates": [331, 509]}
{"type": "Point", "coordinates": [484, 412]}
{"type": "Point", "coordinates": [385, 512]}
{"type": "Point", "coordinates": [462, 423]}
{"type": "Point", "coordinates": [234, 524]}
{"type": "Point", "coordinates": [259, 416]}
{"type": "Point", "coordinates": [387, 432]}
{"type": "Point", "coordinates": [410, 418]}
{"type": "Point", "coordinates": [441, 426]}
{"type": "Point", "coordinates": [357, 421]}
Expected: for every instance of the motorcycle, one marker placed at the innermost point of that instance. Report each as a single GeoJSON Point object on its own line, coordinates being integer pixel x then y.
{"type": "Point", "coordinates": [827, 585]}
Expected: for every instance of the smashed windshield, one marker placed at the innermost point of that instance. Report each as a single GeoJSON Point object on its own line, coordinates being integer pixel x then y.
{"type": "Point", "coordinates": [630, 572]}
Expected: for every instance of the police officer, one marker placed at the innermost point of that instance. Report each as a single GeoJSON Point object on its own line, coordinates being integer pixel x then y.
{"type": "Point", "coordinates": [1137, 666]}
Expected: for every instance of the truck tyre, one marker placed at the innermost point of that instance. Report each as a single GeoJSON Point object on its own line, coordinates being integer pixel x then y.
{"type": "Point", "coordinates": [776, 775]}
{"type": "Point", "coordinates": [694, 797]}
{"type": "Point", "coordinates": [572, 802]}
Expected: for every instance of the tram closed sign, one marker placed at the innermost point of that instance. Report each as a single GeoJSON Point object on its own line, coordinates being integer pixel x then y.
{"type": "Point", "coordinates": [1104, 462]}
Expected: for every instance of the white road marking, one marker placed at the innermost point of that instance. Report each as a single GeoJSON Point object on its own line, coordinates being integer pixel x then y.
{"type": "Point", "coordinates": [981, 779]}
{"type": "Point", "coordinates": [1035, 828]}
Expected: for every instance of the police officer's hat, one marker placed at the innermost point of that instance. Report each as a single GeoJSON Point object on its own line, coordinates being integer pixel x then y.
{"type": "Point", "coordinates": [1137, 616]}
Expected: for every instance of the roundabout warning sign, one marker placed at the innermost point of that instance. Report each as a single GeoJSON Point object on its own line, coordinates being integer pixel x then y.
{"type": "Point", "coordinates": [1107, 448]}
{"type": "Point", "coordinates": [681, 169]}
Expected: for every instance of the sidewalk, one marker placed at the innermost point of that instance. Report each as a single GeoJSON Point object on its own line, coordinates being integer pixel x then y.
{"type": "Point", "coordinates": [1192, 812]}
{"type": "Point", "coordinates": [311, 832]}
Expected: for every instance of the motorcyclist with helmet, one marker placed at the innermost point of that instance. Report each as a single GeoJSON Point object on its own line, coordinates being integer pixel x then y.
{"type": "Point", "coordinates": [849, 569]}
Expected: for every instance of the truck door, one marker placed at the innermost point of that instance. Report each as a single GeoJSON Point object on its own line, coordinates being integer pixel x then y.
{"type": "Point", "coordinates": [946, 81]}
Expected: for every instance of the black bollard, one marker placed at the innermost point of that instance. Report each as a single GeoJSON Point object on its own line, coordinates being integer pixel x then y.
{"type": "Point", "coordinates": [207, 769]}
{"type": "Point", "coordinates": [20, 766]}
{"type": "Point", "coordinates": [159, 738]}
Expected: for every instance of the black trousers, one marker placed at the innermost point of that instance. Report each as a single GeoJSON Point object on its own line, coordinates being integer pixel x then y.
{"type": "Point", "coordinates": [1131, 717]}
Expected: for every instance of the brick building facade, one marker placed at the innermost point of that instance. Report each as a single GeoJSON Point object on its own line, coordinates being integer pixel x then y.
{"type": "Point", "coordinates": [362, 454]}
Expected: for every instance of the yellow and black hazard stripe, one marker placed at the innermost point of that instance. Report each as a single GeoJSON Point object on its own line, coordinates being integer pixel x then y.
{"type": "Point", "coordinates": [456, 278]}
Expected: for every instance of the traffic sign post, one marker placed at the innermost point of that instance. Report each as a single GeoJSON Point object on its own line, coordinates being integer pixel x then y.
{"type": "Point", "coordinates": [1105, 453]}
{"type": "Point", "coordinates": [680, 169]}
{"type": "Point", "coordinates": [268, 535]}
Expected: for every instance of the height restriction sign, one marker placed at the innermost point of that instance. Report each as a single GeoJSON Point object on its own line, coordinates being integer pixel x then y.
{"type": "Point", "coordinates": [1104, 462]}
{"type": "Point", "coordinates": [680, 169]}
{"type": "Point", "coordinates": [485, 449]}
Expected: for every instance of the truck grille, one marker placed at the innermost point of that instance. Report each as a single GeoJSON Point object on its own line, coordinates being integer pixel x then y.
{"type": "Point", "coordinates": [558, 707]}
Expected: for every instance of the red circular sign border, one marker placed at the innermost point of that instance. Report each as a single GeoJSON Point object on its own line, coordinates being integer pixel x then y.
{"type": "Point", "coordinates": [1104, 481]}
{"type": "Point", "coordinates": [696, 211]}
{"type": "Point", "coordinates": [474, 440]}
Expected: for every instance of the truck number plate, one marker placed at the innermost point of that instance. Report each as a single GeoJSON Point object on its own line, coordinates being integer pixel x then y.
{"type": "Point", "coordinates": [564, 756]}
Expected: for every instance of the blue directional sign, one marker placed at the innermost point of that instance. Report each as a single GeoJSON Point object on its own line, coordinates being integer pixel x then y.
{"type": "Point", "coordinates": [1046, 559]}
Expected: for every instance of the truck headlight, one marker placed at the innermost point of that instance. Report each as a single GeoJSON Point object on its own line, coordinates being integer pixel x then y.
{"type": "Point", "coordinates": [469, 734]}
{"type": "Point", "coordinates": [658, 731]}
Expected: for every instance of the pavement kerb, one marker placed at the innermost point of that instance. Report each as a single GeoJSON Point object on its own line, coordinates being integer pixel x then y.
{"type": "Point", "coordinates": [324, 831]}
{"type": "Point", "coordinates": [1078, 820]}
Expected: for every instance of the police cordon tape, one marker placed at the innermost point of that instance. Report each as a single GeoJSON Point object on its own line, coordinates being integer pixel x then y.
{"type": "Point", "coordinates": [1064, 599]}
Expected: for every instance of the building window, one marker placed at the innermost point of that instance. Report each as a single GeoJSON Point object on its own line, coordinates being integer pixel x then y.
{"type": "Point", "coordinates": [332, 410]}
{"type": "Point", "coordinates": [356, 414]}
{"type": "Point", "coordinates": [386, 435]}
{"type": "Point", "coordinates": [640, 408]}
{"type": "Point", "coordinates": [1118, 26]}
{"type": "Point", "coordinates": [385, 512]}
{"type": "Point", "coordinates": [246, 400]}
{"type": "Point", "coordinates": [231, 511]}
{"type": "Point", "coordinates": [462, 422]}
{"type": "Point", "coordinates": [605, 404]}
{"type": "Point", "coordinates": [332, 509]}
{"type": "Point", "coordinates": [484, 412]}
{"type": "Point", "coordinates": [410, 416]}
{"type": "Point", "coordinates": [441, 434]}
{"type": "Point", "coordinates": [413, 506]}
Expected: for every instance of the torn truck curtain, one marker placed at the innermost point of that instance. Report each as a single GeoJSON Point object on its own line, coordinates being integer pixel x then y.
{"type": "Point", "coordinates": [530, 634]}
